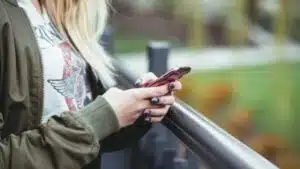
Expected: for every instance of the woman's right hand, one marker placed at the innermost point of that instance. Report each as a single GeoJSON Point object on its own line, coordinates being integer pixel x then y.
{"type": "Point", "coordinates": [129, 104]}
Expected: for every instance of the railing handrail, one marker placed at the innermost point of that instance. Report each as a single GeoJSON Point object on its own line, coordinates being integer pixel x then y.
{"type": "Point", "coordinates": [211, 143]}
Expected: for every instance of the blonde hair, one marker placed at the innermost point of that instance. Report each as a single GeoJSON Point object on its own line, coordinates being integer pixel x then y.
{"type": "Point", "coordinates": [82, 22]}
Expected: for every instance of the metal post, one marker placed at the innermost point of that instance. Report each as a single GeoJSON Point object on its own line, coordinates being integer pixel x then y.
{"type": "Point", "coordinates": [180, 163]}
{"type": "Point", "coordinates": [168, 158]}
{"type": "Point", "coordinates": [116, 160]}
{"type": "Point", "coordinates": [158, 148]}
{"type": "Point", "coordinates": [158, 52]}
{"type": "Point", "coordinates": [160, 145]}
{"type": "Point", "coordinates": [192, 160]}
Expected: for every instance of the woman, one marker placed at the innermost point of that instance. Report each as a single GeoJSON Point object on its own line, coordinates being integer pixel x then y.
{"type": "Point", "coordinates": [54, 111]}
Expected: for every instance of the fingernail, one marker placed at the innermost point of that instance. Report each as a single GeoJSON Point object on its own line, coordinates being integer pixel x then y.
{"type": "Point", "coordinates": [148, 119]}
{"type": "Point", "coordinates": [147, 113]}
{"type": "Point", "coordinates": [171, 87]}
{"type": "Point", "coordinates": [138, 82]}
{"type": "Point", "coordinates": [155, 100]}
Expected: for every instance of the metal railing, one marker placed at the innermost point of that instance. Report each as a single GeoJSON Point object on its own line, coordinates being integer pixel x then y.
{"type": "Point", "coordinates": [213, 147]}
{"type": "Point", "coordinates": [217, 148]}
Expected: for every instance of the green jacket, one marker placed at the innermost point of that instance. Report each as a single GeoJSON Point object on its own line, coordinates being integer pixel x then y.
{"type": "Point", "coordinates": [70, 141]}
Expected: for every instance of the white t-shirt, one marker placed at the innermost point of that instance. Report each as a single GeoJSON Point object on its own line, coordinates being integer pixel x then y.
{"type": "Point", "coordinates": [66, 87]}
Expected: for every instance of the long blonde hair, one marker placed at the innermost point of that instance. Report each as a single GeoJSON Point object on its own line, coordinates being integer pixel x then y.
{"type": "Point", "coordinates": [82, 22]}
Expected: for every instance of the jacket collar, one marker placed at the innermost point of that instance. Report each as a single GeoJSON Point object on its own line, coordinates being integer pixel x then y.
{"type": "Point", "coordinates": [13, 2]}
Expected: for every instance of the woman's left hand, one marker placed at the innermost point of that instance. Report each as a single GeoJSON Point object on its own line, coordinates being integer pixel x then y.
{"type": "Point", "coordinates": [163, 103]}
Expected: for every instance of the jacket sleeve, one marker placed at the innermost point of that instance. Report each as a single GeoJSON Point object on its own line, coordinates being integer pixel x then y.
{"type": "Point", "coordinates": [126, 137]}
{"type": "Point", "coordinates": [68, 141]}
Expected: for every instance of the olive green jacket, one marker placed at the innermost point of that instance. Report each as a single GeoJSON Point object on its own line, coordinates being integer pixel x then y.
{"type": "Point", "coordinates": [73, 140]}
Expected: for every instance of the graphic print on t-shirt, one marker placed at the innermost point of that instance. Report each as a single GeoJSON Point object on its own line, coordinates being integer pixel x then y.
{"type": "Point", "coordinates": [72, 85]}
{"type": "Point", "coordinates": [47, 35]}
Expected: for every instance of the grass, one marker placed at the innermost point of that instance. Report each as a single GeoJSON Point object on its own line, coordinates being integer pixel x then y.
{"type": "Point", "coordinates": [126, 43]}
{"type": "Point", "coordinates": [270, 92]}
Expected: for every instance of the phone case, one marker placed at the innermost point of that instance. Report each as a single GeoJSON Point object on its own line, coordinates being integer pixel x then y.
{"type": "Point", "coordinates": [169, 77]}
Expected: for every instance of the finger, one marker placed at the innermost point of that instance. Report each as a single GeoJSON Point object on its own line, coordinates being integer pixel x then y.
{"type": "Point", "coordinates": [145, 104]}
{"type": "Point", "coordinates": [158, 112]}
{"type": "Point", "coordinates": [177, 85]}
{"type": "Point", "coordinates": [149, 92]}
{"type": "Point", "coordinates": [149, 77]}
{"type": "Point", "coordinates": [164, 100]}
{"type": "Point", "coordinates": [174, 86]}
{"type": "Point", "coordinates": [146, 78]}
{"type": "Point", "coordinates": [154, 119]}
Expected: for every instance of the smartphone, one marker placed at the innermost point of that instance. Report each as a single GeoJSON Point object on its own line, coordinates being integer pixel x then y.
{"type": "Point", "coordinates": [170, 76]}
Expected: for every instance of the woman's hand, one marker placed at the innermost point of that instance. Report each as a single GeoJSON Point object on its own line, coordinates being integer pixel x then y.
{"type": "Point", "coordinates": [157, 114]}
{"type": "Point", "coordinates": [130, 104]}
